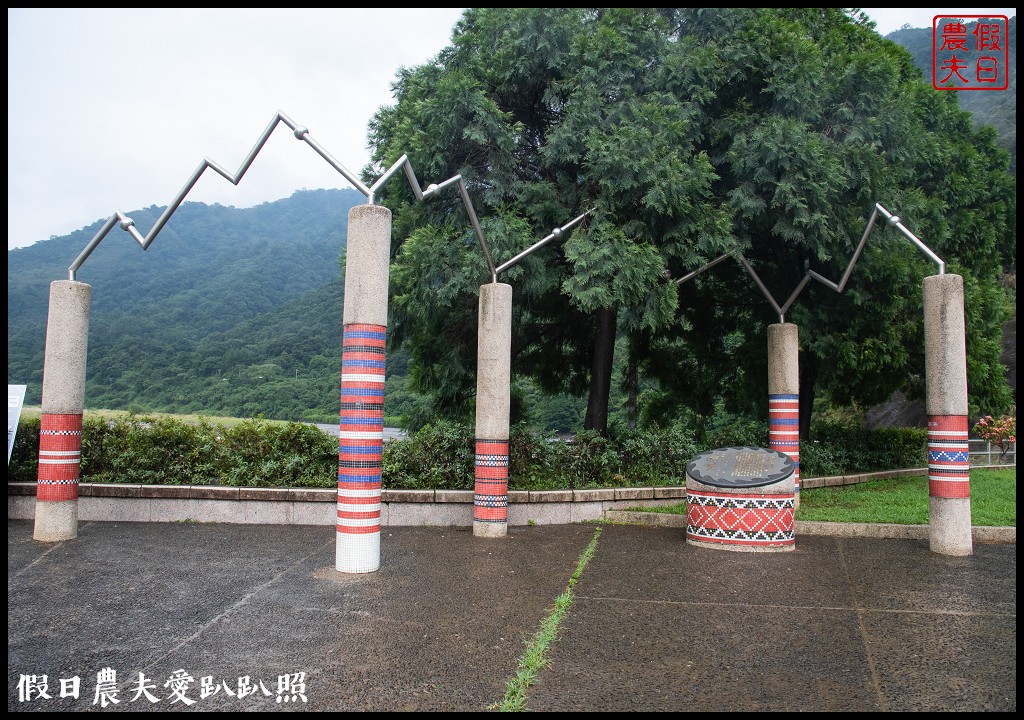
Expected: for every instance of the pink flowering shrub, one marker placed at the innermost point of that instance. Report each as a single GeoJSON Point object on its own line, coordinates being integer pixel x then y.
{"type": "Point", "coordinates": [1002, 432]}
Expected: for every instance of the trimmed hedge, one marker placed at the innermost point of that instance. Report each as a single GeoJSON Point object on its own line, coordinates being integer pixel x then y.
{"type": "Point", "coordinates": [166, 451]}
{"type": "Point", "coordinates": [257, 453]}
{"type": "Point", "coordinates": [840, 449]}
{"type": "Point", "coordinates": [23, 464]}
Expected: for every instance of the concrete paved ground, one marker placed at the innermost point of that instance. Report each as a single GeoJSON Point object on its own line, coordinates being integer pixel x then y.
{"type": "Point", "coordinates": [839, 624]}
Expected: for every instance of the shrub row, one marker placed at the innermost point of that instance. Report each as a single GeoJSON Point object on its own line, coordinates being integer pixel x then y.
{"type": "Point", "coordinates": [257, 453]}
{"type": "Point", "coordinates": [441, 455]}
{"type": "Point", "coordinates": [166, 451]}
{"type": "Point", "coordinates": [840, 449]}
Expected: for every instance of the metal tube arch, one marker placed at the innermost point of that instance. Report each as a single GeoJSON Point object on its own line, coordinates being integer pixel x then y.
{"type": "Point", "coordinates": [144, 241]}
{"type": "Point", "coordinates": [891, 221]}
{"type": "Point", "coordinates": [554, 234]}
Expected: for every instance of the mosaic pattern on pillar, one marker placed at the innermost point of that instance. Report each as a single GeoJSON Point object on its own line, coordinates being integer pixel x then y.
{"type": "Point", "coordinates": [750, 520]}
{"type": "Point", "coordinates": [361, 429]}
{"type": "Point", "coordinates": [784, 429]}
{"type": "Point", "coordinates": [490, 493]}
{"type": "Point", "coordinates": [949, 465]}
{"type": "Point", "coordinates": [60, 456]}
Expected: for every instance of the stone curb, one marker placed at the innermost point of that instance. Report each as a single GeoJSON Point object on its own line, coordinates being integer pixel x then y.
{"type": "Point", "coordinates": [428, 507]}
{"type": "Point", "coordinates": [316, 506]}
{"type": "Point", "coordinates": [217, 492]}
{"type": "Point", "coordinates": [980, 534]}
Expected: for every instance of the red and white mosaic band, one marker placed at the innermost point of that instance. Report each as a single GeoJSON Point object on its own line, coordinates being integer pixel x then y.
{"type": "Point", "coordinates": [949, 466]}
{"type": "Point", "coordinates": [490, 491]}
{"type": "Point", "coordinates": [360, 448]}
{"type": "Point", "coordinates": [60, 457]}
{"type": "Point", "coordinates": [741, 520]}
{"type": "Point", "coordinates": [784, 429]}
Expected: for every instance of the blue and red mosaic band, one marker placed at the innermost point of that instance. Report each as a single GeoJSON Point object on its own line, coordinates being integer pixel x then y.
{"type": "Point", "coordinates": [747, 520]}
{"type": "Point", "coordinates": [361, 429]}
{"type": "Point", "coordinates": [784, 429]}
{"type": "Point", "coordinates": [949, 465]}
{"type": "Point", "coordinates": [490, 492]}
{"type": "Point", "coordinates": [60, 457]}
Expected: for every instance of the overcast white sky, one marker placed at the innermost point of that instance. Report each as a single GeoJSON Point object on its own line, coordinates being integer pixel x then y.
{"type": "Point", "coordinates": [113, 109]}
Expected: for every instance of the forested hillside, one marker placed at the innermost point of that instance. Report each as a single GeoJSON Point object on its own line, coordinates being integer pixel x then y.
{"type": "Point", "coordinates": [225, 306]}
{"type": "Point", "coordinates": [231, 311]}
{"type": "Point", "coordinates": [995, 108]}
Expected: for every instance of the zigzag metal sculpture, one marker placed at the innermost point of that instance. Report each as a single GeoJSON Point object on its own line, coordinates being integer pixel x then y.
{"type": "Point", "coordinates": [128, 224]}
{"type": "Point", "coordinates": [891, 221]}
{"type": "Point", "coordinates": [783, 346]}
{"type": "Point", "coordinates": [493, 393]}
{"type": "Point", "coordinates": [363, 369]}
{"type": "Point", "coordinates": [362, 394]}
{"type": "Point", "coordinates": [360, 433]}
{"type": "Point", "coordinates": [301, 133]}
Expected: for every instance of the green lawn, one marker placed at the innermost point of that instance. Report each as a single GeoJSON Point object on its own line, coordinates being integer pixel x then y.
{"type": "Point", "coordinates": [903, 501]}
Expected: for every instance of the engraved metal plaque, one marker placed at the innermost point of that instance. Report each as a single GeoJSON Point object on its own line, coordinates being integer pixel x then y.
{"type": "Point", "coordinates": [740, 467]}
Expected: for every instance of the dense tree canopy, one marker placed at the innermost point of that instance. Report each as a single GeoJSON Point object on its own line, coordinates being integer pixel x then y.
{"type": "Point", "coordinates": [690, 132]}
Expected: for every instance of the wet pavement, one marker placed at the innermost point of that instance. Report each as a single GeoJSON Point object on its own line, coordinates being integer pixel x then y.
{"type": "Point", "coordinates": [206, 612]}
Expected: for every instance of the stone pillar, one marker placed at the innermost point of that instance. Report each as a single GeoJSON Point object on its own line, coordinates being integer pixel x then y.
{"type": "Point", "coordinates": [493, 396]}
{"type": "Point", "coordinates": [945, 363]}
{"type": "Point", "coordinates": [361, 427]}
{"type": "Point", "coordinates": [60, 432]}
{"type": "Point", "coordinates": [784, 396]}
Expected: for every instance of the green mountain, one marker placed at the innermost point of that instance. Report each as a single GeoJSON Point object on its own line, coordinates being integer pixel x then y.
{"type": "Point", "coordinates": [230, 311]}
{"type": "Point", "coordinates": [997, 108]}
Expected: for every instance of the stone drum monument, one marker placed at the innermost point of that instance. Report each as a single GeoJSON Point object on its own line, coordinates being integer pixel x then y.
{"type": "Point", "coordinates": [742, 499]}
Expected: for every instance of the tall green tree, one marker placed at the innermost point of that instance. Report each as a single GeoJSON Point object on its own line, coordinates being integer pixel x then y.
{"type": "Point", "coordinates": [819, 118]}
{"type": "Point", "coordinates": [547, 113]}
{"type": "Point", "coordinates": [692, 132]}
